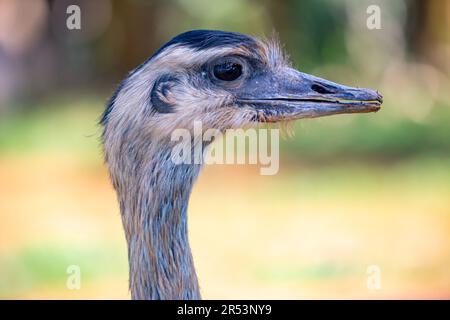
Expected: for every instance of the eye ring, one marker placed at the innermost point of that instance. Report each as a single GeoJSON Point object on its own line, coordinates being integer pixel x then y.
{"type": "Point", "coordinates": [227, 69]}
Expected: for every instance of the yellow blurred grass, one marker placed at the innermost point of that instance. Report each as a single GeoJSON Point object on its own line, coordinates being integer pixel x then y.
{"type": "Point", "coordinates": [285, 236]}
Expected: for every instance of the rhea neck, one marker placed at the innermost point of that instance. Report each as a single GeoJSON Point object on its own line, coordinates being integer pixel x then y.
{"type": "Point", "coordinates": [154, 194]}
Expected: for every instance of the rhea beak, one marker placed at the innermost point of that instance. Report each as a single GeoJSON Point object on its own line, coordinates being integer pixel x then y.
{"type": "Point", "coordinates": [292, 95]}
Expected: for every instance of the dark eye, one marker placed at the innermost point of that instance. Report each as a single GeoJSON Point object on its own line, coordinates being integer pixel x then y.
{"type": "Point", "coordinates": [227, 71]}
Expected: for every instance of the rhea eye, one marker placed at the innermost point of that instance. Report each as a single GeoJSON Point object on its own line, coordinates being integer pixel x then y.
{"type": "Point", "coordinates": [227, 71]}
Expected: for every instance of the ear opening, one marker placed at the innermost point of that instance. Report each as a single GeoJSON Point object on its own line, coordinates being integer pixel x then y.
{"type": "Point", "coordinates": [160, 94]}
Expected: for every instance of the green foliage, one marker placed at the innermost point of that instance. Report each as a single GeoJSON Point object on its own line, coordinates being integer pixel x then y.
{"type": "Point", "coordinates": [47, 265]}
{"type": "Point", "coordinates": [54, 126]}
{"type": "Point", "coordinates": [375, 137]}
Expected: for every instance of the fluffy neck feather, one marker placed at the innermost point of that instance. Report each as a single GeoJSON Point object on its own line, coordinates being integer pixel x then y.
{"type": "Point", "coordinates": [153, 194]}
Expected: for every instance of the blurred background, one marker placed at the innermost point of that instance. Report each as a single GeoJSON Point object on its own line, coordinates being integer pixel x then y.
{"type": "Point", "coordinates": [355, 193]}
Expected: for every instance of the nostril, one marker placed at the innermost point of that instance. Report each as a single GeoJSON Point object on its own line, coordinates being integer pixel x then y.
{"type": "Point", "coordinates": [319, 89]}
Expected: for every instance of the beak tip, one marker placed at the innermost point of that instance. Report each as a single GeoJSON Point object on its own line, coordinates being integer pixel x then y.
{"type": "Point", "coordinates": [379, 96]}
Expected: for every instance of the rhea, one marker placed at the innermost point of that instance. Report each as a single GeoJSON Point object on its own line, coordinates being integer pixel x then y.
{"type": "Point", "coordinates": [225, 80]}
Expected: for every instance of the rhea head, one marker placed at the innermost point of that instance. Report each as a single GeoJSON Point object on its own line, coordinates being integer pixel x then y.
{"type": "Point", "coordinates": [225, 80]}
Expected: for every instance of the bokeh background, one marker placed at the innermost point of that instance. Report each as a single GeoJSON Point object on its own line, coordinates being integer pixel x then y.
{"type": "Point", "coordinates": [353, 191]}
